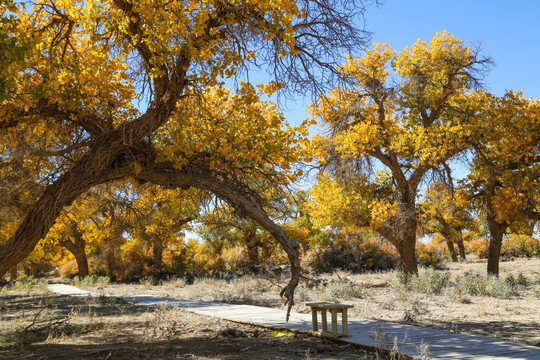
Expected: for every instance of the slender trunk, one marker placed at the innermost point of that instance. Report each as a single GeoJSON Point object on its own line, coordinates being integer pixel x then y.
{"type": "Point", "coordinates": [461, 247]}
{"type": "Point", "coordinates": [452, 250]}
{"type": "Point", "coordinates": [157, 252]}
{"type": "Point", "coordinates": [252, 249]}
{"type": "Point", "coordinates": [110, 258]}
{"type": "Point", "coordinates": [496, 229]}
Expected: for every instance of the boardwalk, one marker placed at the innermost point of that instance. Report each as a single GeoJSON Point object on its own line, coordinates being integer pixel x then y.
{"type": "Point", "coordinates": [380, 334]}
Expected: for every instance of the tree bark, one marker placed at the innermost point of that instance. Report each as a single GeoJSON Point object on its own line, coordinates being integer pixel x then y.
{"type": "Point", "coordinates": [452, 250]}
{"type": "Point", "coordinates": [400, 230]}
{"type": "Point", "coordinates": [110, 258]}
{"type": "Point", "coordinates": [496, 231]}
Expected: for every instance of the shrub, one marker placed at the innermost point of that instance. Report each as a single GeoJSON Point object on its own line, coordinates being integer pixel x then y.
{"type": "Point", "coordinates": [431, 281]}
{"type": "Point", "coordinates": [341, 290]}
{"type": "Point", "coordinates": [476, 284]}
{"type": "Point", "coordinates": [520, 246]}
{"type": "Point", "coordinates": [430, 254]}
{"type": "Point", "coordinates": [353, 255]}
{"type": "Point", "coordinates": [478, 247]}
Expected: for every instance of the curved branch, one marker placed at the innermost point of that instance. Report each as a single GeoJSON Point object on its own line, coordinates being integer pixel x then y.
{"type": "Point", "coordinates": [166, 175]}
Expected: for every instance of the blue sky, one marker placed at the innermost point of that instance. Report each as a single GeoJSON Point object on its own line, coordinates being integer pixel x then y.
{"type": "Point", "coordinates": [507, 31]}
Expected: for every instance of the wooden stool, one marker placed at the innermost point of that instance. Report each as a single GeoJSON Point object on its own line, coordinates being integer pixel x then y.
{"type": "Point", "coordinates": [334, 309]}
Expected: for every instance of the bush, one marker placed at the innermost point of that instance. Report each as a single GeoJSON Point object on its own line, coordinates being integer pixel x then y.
{"type": "Point", "coordinates": [478, 247]}
{"type": "Point", "coordinates": [520, 246]}
{"type": "Point", "coordinates": [430, 254]}
{"type": "Point", "coordinates": [341, 290]}
{"type": "Point", "coordinates": [353, 255]}
{"type": "Point", "coordinates": [431, 281]}
{"type": "Point", "coordinates": [475, 284]}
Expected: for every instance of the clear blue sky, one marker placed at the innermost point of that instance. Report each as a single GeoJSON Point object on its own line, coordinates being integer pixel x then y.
{"type": "Point", "coordinates": [507, 31]}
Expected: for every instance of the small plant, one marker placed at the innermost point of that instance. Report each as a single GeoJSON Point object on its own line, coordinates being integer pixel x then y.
{"type": "Point", "coordinates": [92, 280]}
{"type": "Point", "coordinates": [341, 290]}
{"type": "Point", "coordinates": [430, 281]}
{"type": "Point", "coordinates": [475, 284]}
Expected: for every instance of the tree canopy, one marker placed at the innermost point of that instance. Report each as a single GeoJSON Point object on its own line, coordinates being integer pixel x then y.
{"type": "Point", "coordinates": [116, 89]}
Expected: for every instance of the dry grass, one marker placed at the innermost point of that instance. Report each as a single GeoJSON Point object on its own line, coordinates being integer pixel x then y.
{"type": "Point", "coordinates": [460, 298]}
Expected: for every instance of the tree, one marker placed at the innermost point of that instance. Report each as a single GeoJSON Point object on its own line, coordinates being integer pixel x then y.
{"type": "Point", "coordinates": [444, 211]}
{"type": "Point", "coordinates": [90, 63]}
{"type": "Point", "coordinates": [504, 180]}
{"type": "Point", "coordinates": [410, 125]}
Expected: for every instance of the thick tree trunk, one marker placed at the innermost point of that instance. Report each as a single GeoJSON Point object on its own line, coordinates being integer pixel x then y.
{"type": "Point", "coordinates": [407, 253]}
{"type": "Point", "coordinates": [496, 231]}
{"type": "Point", "coordinates": [400, 230]}
{"type": "Point", "coordinates": [452, 250]}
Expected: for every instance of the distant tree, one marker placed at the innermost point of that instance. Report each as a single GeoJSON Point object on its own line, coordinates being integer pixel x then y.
{"type": "Point", "coordinates": [445, 212]}
{"type": "Point", "coordinates": [409, 126]}
{"type": "Point", "coordinates": [504, 182]}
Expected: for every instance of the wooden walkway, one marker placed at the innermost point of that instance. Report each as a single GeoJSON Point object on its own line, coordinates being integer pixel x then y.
{"type": "Point", "coordinates": [378, 334]}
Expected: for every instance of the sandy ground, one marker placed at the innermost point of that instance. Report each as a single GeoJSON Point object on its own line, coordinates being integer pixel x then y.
{"type": "Point", "coordinates": [513, 316]}
{"type": "Point", "coordinates": [35, 324]}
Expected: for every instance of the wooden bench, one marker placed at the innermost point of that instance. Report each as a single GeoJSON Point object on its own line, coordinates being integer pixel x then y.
{"type": "Point", "coordinates": [334, 309]}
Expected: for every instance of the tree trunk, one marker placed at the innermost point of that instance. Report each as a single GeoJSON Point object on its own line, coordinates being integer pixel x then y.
{"type": "Point", "coordinates": [407, 253]}
{"type": "Point", "coordinates": [496, 231]}
{"type": "Point", "coordinates": [452, 250]}
{"type": "Point", "coordinates": [77, 247]}
{"type": "Point", "coordinates": [157, 252]}
{"type": "Point", "coordinates": [461, 247]}
{"type": "Point", "coordinates": [252, 249]}
{"type": "Point", "coordinates": [110, 258]}
{"type": "Point", "coordinates": [400, 230]}
{"type": "Point", "coordinates": [13, 273]}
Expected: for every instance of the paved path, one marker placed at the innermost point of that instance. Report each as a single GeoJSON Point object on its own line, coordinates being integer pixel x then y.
{"type": "Point", "coordinates": [442, 344]}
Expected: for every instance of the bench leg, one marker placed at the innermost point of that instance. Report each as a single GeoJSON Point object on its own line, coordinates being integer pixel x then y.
{"type": "Point", "coordinates": [324, 323]}
{"type": "Point", "coordinates": [334, 322]}
{"type": "Point", "coordinates": [345, 324]}
{"type": "Point", "coordinates": [314, 320]}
